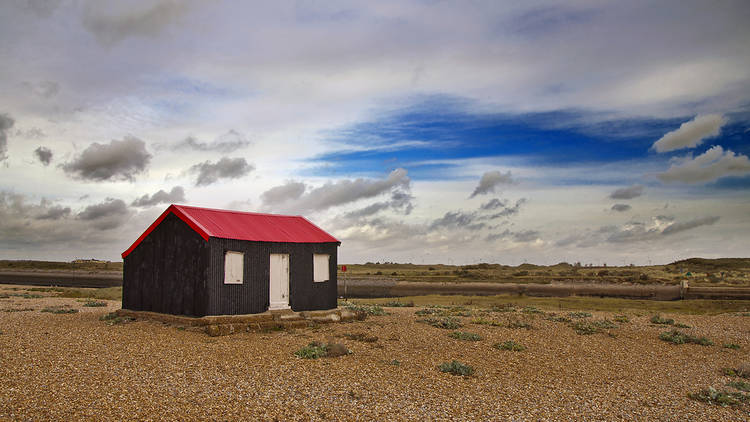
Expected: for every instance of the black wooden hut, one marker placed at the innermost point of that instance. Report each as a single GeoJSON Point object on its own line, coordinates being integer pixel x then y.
{"type": "Point", "coordinates": [200, 261]}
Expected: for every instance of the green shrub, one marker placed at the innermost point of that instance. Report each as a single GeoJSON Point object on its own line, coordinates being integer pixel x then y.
{"type": "Point", "coordinates": [732, 346]}
{"type": "Point", "coordinates": [657, 319]}
{"type": "Point", "coordinates": [313, 350]}
{"type": "Point", "coordinates": [558, 318]}
{"type": "Point", "coordinates": [59, 310]}
{"type": "Point", "coordinates": [374, 310]}
{"type": "Point", "coordinates": [531, 310]}
{"type": "Point", "coordinates": [740, 385]}
{"type": "Point", "coordinates": [621, 319]}
{"type": "Point", "coordinates": [95, 304]}
{"type": "Point", "coordinates": [579, 315]}
{"type": "Point", "coordinates": [448, 323]}
{"type": "Point", "coordinates": [508, 307]}
{"type": "Point", "coordinates": [397, 304]}
{"type": "Point", "coordinates": [463, 335]}
{"type": "Point", "coordinates": [678, 337]}
{"type": "Point", "coordinates": [585, 328]}
{"type": "Point", "coordinates": [114, 319]}
{"type": "Point", "coordinates": [720, 397]}
{"type": "Point", "coordinates": [681, 325]}
{"type": "Point", "coordinates": [604, 324]}
{"type": "Point", "coordinates": [509, 345]}
{"type": "Point", "coordinates": [483, 321]}
{"type": "Point", "coordinates": [395, 362]}
{"type": "Point", "coordinates": [519, 325]}
{"type": "Point", "coordinates": [456, 368]}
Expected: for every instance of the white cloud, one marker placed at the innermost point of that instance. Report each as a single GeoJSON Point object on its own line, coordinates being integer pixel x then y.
{"type": "Point", "coordinates": [707, 167]}
{"type": "Point", "coordinates": [691, 134]}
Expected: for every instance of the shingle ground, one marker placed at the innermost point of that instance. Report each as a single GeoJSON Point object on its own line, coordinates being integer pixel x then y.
{"type": "Point", "coordinates": [76, 367]}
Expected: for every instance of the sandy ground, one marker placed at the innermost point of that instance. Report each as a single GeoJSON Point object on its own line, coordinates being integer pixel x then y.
{"type": "Point", "coordinates": [76, 367]}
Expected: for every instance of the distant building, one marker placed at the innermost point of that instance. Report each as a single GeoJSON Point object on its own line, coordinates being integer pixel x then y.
{"type": "Point", "coordinates": [199, 261]}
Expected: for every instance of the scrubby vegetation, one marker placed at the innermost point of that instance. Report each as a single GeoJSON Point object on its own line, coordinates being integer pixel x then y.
{"type": "Point", "coordinates": [463, 335]}
{"type": "Point", "coordinates": [448, 323]}
{"type": "Point", "coordinates": [456, 368]}
{"type": "Point", "coordinates": [678, 337]}
{"type": "Point", "coordinates": [315, 350]}
{"type": "Point", "coordinates": [509, 345]}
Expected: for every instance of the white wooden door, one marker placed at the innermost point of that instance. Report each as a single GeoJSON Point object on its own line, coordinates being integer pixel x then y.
{"type": "Point", "coordinates": [279, 281]}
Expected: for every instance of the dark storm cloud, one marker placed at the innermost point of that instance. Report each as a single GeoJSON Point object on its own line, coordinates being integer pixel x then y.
{"type": "Point", "coordinates": [288, 191]}
{"type": "Point", "coordinates": [621, 207]}
{"type": "Point", "coordinates": [44, 155]}
{"type": "Point", "coordinates": [177, 194]}
{"type": "Point", "coordinates": [107, 215]}
{"type": "Point", "coordinates": [54, 212]}
{"type": "Point", "coordinates": [489, 182]}
{"type": "Point", "coordinates": [627, 193]}
{"type": "Point", "coordinates": [6, 122]}
{"type": "Point", "coordinates": [209, 172]}
{"type": "Point", "coordinates": [117, 160]}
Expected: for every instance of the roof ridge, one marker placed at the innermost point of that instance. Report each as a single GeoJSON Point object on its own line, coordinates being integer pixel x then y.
{"type": "Point", "coordinates": [237, 212]}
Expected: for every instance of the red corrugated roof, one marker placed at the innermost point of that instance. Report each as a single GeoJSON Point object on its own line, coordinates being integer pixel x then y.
{"type": "Point", "coordinates": [238, 225]}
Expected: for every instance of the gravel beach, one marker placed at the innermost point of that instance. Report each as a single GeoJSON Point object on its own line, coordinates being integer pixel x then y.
{"type": "Point", "coordinates": [76, 367]}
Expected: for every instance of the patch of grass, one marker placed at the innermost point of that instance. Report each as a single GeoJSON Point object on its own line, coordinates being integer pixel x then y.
{"type": "Point", "coordinates": [484, 321]}
{"type": "Point", "coordinates": [604, 324]}
{"type": "Point", "coordinates": [580, 315]}
{"type": "Point", "coordinates": [509, 345]}
{"type": "Point", "coordinates": [94, 304]}
{"type": "Point", "coordinates": [731, 346]}
{"type": "Point", "coordinates": [578, 303]}
{"type": "Point", "coordinates": [363, 337]}
{"type": "Point", "coordinates": [678, 337]}
{"type": "Point", "coordinates": [114, 319]}
{"type": "Point", "coordinates": [397, 304]}
{"type": "Point", "coordinates": [681, 325]}
{"type": "Point", "coordinates": [515, 324]}
{"type": "Point", "coordinates": [531, 310]}
{"type": "Point", "coordinates": [740, 385]}
{"type": "Point", "coordinates": [106, 293]}
{"type": "Point", "coordinates": [395, 362]}
{"type": "Point", "coordinates": [657, 319]}
{"type": "Point", "coordinates": [585, 328]}
{"type": "Point", "coordinates": [558, 318]}
{"type": "Point", "coordinates": [316, 350]}
{"type": "Point", "coordinates": [720, 397]}
{"type": "Point", "coordinates": [60, 311]}
{"type": "Point", "coordinates": [447, 323]}
{"type": "Point", "coordinates": [456, 368]}
{"type": "Point", "coordinates": [372, 310]}
{"type": "Point", "coordinates": [463, 335]}
{"type": "Point", "coordinates": [622, 319]}
{"type": "Point", "coordinates": [507, 307]}
{"type": "Point", "coordinates": [18, 310]}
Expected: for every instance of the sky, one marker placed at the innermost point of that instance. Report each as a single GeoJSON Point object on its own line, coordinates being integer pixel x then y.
{"type": "Point", "coordinates": [601, 132]}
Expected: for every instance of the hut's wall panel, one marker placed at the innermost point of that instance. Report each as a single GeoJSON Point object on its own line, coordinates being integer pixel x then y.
{"type": "Point", "coordinates": [167, 271]}
{"type": "Point", "coordinates": [252, 296]}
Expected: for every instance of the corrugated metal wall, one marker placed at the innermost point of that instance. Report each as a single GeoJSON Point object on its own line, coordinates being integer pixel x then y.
{"type": "Point", "coordinates": [167, 271]}
{"type": "Point", "coordinates": [252, 296]}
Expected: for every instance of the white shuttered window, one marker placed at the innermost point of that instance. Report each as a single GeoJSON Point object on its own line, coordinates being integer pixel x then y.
{"type": "Point", "coordinates": [320, 267]}
{"type": "Point", "coordinates": [233, 267]}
